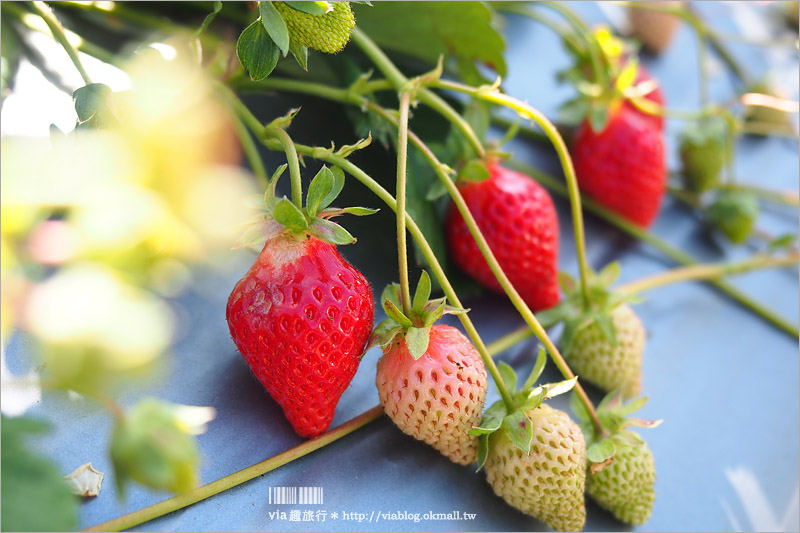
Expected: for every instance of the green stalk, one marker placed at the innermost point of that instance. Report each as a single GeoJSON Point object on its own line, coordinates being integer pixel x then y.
{"type": "Point", "coordinates": [424, 95]}
{"type": "Point", "coordinates": [291, 158]}
{"type": "Point", "coordinates": [237, 478]}
{"type": "Point", "coordinates": [402, 156]}
{"type": "Point", "coordinates": [563, 155]}
{"type": "Point", "coordinates": [44, 11]}
{"type": "Point", "coordinates": [667, 249]}
{"type": "Point", "coordinates": [250, 150]}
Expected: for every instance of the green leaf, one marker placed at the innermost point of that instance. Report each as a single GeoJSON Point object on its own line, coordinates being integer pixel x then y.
{"type": "Point", "coordinates": [392, 293]}
{"type": "Point", "coordinates": [417, 340]}
{"type": "Point", "coordinates": [609, 274]}
{"type": "Point", "coordinates": [632, 406]}
{"type": "Point", "coordinates": [519, 429]}
{"type": "Point", "coordinates": [598, 118]}
{"type": "Point", "coordinates": [601, 451]}
{"type": "Point", "coordinates": [555, 389]}
{"type": "Point", "coordinates": [574, 111]}
{"type": "Point", "coordinates": [606, 326]}
{"type": "Point", "coordinates": [331, 232]}
{"type": "Point", "coordinates": [483, 450]}
{"type": "Point", "coordinates": [34, 496]}
{"type": "Point", "coordinates": [423, 292]}
{"type": "Point", "coordinates": [436, 190]}
{"type": "Point", "coordinates": [275, 25]}
{"type": "Point", "coordinates": [508, 375]}
{"type": "Point", "coordinates": [383, 334]}
{"type": "Point", "coordinates": [90, 100]}
{"type": "Point", "coordinates": [536, 371]}
{"type": "Point", "coordinates": [566, 282]}
{"type": "Point", "coordinates": [783, 241]}
{"type": "Point", "coordinates": [477, 114]}
{"type": "Point", "coordinates": [338, 185]}
{"type": "Point", "coordinates": [318, 190]}
{"type": "Point", "coordinates": [474, 170]}
{"type": "Point", "coordinates": [290, 215]}
{"type": "Point", "coordinates": [393, 311]}
{"type": "Point", "coordinates": [257, 52]}
{"type": "Point", "coordinates": [492, 419]}
{"type": "Point", "coordinates": [610, 401]}
{"type": "Point", "coordinates": [269, 193]}
{"type": "Point", "coordinates": [300, 54]}
{"type": "Point", "coordinates": [434, 310]}
{"type": "Point", "coordinates": [426, 30]}
{"type": "Point", "coordinates": [312, 8]}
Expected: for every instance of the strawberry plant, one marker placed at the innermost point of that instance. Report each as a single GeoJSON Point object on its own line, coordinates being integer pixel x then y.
{"type": "Point", "coordinates": [105, 235]}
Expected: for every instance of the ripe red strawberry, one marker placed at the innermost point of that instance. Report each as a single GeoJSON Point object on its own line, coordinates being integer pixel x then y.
{"type": "Point", "coordinates": [519, 221]}
{"type": "Point", "coordinates": [622, 167]}
{"type": "Point", "coordinates": [439, 397]}
{"type": "Point", "coordinates": [302, 315]}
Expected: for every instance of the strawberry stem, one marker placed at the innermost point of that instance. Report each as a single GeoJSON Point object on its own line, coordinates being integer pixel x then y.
{"type": "Point", "coordinates": [563, 154]}
{"type": "Point", "coordinates": [47, 15]}
{"type": "Point", "coordinates": [402, 250]}
{"type": "Point", "coordinates": [250, 150]}
{"type": "Point", "coordinates": [677, 255]}
{"type": "Point", "coordinates": [424, 95]}
{"type": "Point", "coordinates": [291, 158]}
{"type": "Point", "coordinates": [708, 271]}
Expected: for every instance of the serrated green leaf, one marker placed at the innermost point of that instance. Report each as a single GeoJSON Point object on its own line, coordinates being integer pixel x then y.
{"type": "Point", "coordinates": [606, 326]}
{"type": "Point", "coordinates": [519, 429]}
{"type": "Point", "coordinates": [393, 311]}
{"type": "Point", "coordinates": [318, 190]}
{"type": "Point", "coordinates": [275, 25]}
{"type": "Point", "coordinates": [423, 292]}
{"type": "Point", "coordinates": [300, 54]}
{"type": "Point", "coordinates": [601, 451]}
{"type": "Point", "coordinates": [417, 340]}
{"type": "Point", "coordinates": [508, 375]}
{"type": "Point", "coordinates": [289, 215]}
{"type": "Point", "coordinates": [536, 371]}
{"type": "Point", "coordinates": [473, 171]}
{"type": "Point", "coordinates": [257, 53]}
{"type": "Point", "coordinates": [483, 451]}
{"type": "Point", "coordinates": [331, 232]}
{"type": "Point", "coordinates": [312, 8]}
{"type": "Point", "coordinates": [34, 496]}
{"type": "Point", "coordinates": [426, 30]}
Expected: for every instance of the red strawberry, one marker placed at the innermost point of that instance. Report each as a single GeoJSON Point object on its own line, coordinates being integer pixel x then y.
{"type": "Point", "coordinates": [302, 315]}
{"type": "Point", "coordinates": [519, 221]}
{"type": "Point", "coordinates": [622, 167]}
{"type": "Point", "coordinates": [437, 398]}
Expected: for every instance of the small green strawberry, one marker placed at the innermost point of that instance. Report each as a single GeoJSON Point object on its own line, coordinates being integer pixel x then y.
{"type": "Point", "coordinates": [621, 476]}
{"type": "Point", "coordinates": [535, 456]}
{"type": "Point", "coordinates": [703, 153]}
{"type": "Point", "coordinates": [431, 380]}
{"type": "Point", "coordinates": [611, 361]}
{"type": "Point", "coordinates": [734, 213]}
{"type": "Point", "coordinates": [328, 32]}
{"type": "Point", "coordinates": [604, 342]}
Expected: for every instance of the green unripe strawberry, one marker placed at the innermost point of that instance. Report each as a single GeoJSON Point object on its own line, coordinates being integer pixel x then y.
{"type": "Point", "coordinates": [703, 153]}
{"type": "Point", "coordinates": [548, 483]}
{"type": "Point", "coordinates": [327, 33]}
{"type": "Point", "coordinates": [626, 487]}
{"type": "Point", "coordinates": [596, 358]}
{"type": "Point", "coordinates": [734, 213]}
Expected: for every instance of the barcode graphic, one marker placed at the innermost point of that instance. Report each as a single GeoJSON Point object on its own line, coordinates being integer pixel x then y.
{"type": "Point", "coordinates": [295, 495]}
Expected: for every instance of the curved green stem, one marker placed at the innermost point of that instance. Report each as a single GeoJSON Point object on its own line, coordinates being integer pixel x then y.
{"type": "Point", "coordinates": [424, 95]}
{"type": "Point", "coordinates": [402, 156]}
{"type": "Point", "coordinates": [677, 255]}
{"type": "Point", "coordinates": [563, 155]}
{"type": "Point", "coordinates": [291, 158]}
{"type": "Point", "coordinates": [44, 11]}
{"type": "Point", "coordinates": [237, 478]}
{"type": "Point", "coordinates": [708, 271]}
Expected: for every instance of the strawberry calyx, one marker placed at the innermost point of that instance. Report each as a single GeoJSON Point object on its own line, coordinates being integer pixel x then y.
{"type": "Point", "coordinates": [598, 99]}
{"type": "Point", "coordinates": [576, 315]}
{"type": "Point", "coordinates": [281, 216]}
{"type": "Point", "coordinates": [733, 213]}
{"type": "Point", "coordinates": [517, 424]}
{"type": "Point", "coordinates": [415, 326]}
{"type": "Point", "coordinates": [613, 413]}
